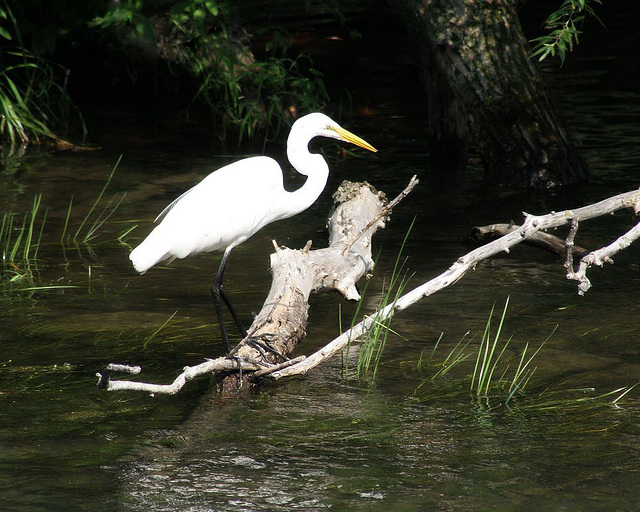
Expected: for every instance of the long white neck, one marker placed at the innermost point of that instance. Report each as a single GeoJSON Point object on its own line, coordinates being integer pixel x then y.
{"type": "Point", "coordinates": [311, 165]}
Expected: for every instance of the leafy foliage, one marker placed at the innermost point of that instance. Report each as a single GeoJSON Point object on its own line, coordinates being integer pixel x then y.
{"type": "Point", "coordinates": [187, 53]}
{"type": "Point", "coordinates": [244, 94]}
{"type": "Point", "coordinates": [563, 26]}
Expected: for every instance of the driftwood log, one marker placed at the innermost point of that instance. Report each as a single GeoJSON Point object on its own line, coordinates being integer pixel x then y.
{"type": "Point", "coordinates": [287, 295]}
{"type": "Point", "coordinates": [359, 211]}
{"type": "Point", "coordinates": [281, 323]}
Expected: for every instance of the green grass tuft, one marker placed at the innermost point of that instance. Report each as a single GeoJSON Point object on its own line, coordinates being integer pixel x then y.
{"type": "Point", "coordinates": [373, 344]}
{"type": "Point", "coordinates": [495, 382]}
{"type": "Point", "coordinates": [21, 236]}
{"type": "Point", "coordinates": [96, 217]}
{"type": "Point", "coordinates": [21, 240]}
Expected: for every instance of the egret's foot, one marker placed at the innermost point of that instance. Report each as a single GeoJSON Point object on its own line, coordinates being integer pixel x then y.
{"type": "Point", "coordinates": [263, 348]}
{"type": "Point", "coordinates": [238, 360]}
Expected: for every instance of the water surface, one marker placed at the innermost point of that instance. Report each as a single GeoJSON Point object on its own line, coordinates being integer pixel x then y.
{"type": "Point", "coordinates": [399, 443]}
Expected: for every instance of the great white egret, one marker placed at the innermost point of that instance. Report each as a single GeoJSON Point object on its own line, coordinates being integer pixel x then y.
{"type": "Point", "coordinates": [234, 202]}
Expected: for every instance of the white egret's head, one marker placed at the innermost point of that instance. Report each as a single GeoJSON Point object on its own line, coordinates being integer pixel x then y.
{"type": "Point", "coordinates": [320, 125]}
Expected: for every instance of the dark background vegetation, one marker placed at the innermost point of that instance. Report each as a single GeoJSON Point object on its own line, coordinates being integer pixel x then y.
{"type": "Point", "coordinates": [241, 70]}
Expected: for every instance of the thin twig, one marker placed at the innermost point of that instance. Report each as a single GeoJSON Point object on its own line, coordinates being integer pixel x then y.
{"type": "Point", "coordinates": [601, 256]}
{"type": "Point", "coordinates": [124, 368]}
{"type": "Point", "coordinates": [276, 367]}
{"type": "Point", "coordinates": [385, 211]}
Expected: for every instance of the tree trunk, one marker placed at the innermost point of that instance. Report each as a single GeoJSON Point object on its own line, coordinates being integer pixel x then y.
{"type": "Point", "coordinates": [483, 86]}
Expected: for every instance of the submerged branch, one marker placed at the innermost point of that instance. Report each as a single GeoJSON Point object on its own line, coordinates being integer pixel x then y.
{"type": "Point", "coordinates": [542, 240]}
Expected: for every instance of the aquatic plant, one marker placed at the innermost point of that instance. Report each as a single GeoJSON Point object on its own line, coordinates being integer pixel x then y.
{"type": "Point", "coordinates": [95, 219]}
{"type": "Point", "coordinates": [494, 383]}
{"type": "Point", "coordinates": [455, 357]}
{"type": "Point", "coordinates": [21, 236]}
{"type": "Point", "coordinates": [32, 98]}
{"type": "Point", "coordinates": [150, 338]}
{"type": "Point", "coordinates": [21, 240]}
{"type": "Point", "coordinates": [373, 344]}
{"type": "Point", "coordinates": [488, 358]}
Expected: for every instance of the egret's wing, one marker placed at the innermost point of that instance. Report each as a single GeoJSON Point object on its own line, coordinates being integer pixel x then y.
{"type": "Point", "coordinates": [224, 209]}
{"type": "Point", "coordinates": [255, 180]}
{"type": "Point", "coordinates": [164, 212]}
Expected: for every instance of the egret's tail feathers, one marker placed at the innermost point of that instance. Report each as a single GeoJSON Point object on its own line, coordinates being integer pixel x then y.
{"type": "Point", "coordinates": [145, 256]}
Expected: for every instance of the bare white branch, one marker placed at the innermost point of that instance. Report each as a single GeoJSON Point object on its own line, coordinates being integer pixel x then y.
{"type": "Point", "coordinates": [532, 225]}
{"type": "Point", "coordinates": [189, 372]}
{"type": "Point", "coordinates": [601, 256]}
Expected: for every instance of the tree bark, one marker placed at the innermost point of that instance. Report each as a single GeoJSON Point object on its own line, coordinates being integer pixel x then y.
{"type": "Point", "coordinates": [482, 86]}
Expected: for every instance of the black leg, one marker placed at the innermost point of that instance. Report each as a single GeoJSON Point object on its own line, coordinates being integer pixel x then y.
{"type": "Point", "coordinates": [217, 292]}
{"type": "Point", "coordinates": [236, 319]}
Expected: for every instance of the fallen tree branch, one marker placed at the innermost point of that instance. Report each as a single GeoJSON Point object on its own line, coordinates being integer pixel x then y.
{"type": "Point", "coordinates": [188, 373]}
{"type": "Point", "coordinates": [533, 225]}
{"type": "Point", "coordinates": [289, 295]}
{"type": "Point", "coordinates": [281, 323]}
{"type": "Point", "coordinates": [540, 239]}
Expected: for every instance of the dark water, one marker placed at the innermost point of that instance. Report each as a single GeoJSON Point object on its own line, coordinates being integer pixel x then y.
{"type": "Point", "coordinates": [403, 442]}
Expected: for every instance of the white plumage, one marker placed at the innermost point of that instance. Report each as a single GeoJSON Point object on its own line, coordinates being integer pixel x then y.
{"type": "Point", "coordinates": [211, 216]}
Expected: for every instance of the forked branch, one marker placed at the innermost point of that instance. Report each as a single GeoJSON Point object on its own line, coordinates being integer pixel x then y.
{"type": "Point", "coordinates": [601, 256]}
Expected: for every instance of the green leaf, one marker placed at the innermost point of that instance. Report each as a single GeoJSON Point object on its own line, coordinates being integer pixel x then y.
{"type": "Point", "coordinates": [145, 27]}
{"type": "Point", "coordinates": [199, 15]}
{"type": "Point", "coordinates": [212, 7]}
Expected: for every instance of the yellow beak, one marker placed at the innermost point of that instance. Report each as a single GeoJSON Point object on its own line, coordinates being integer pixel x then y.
{"type": "Point", "coordinates": [347, 136]}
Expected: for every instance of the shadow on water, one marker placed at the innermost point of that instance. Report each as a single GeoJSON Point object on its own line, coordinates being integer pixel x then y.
{"type": "Point", "coordinates": [321, 441]}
